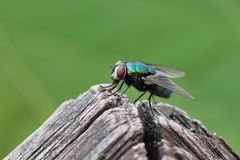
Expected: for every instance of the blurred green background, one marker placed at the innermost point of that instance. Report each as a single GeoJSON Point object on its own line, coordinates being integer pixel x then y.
{"type": "Point", "coordinates": [53, 50]}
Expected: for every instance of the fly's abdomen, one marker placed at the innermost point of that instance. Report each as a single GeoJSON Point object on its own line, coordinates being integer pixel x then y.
{"type": "Point", "coordinates": [159, 91]}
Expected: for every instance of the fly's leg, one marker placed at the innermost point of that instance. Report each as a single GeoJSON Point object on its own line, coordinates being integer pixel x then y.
{"type": "Point", "coordinates": [139, 97]}
{"type": "Point", "coordinates": [109, 87]}
{"type": "Point", "coordinates": [125, 90]}
{"type": "Point", "coordinates": [154, 101]}
{"type": "Point", "coordinates": [149, 101]}
{"type": "Point", "coordinates": [118, 88]}
{"type": "Point", "coordinates": [112, 88]}
{"type": "Point", "coordinates": [112, 84]}
{"type": "Point", "coordinates": [104, 87]}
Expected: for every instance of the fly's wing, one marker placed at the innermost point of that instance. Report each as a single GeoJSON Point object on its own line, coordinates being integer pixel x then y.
{"type": "Point", "coordinates": [166, 83]}
{"type": "Point", "coordinates": [167, 71]}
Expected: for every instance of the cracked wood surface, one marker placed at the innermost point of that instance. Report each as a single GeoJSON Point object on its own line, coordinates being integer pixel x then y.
{"type": "Point", "coordinates": [97, 125]}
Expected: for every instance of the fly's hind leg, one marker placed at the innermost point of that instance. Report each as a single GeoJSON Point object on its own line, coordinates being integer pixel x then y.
{"type": "Point", "coordinates": [149, 101]}
{"type": "Point", "coordinates": [154, 101]}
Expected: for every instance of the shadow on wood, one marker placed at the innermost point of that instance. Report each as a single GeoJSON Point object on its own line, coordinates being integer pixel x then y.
{"type": "Point", "coordinates": [97, 125]}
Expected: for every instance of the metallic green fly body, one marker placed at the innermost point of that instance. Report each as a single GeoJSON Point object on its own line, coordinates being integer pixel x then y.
{"type": "Point", "coordinates": [155, 79]}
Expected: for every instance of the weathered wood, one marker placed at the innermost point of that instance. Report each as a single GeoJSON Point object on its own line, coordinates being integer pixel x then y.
{"type": "Point", "coordinates": [174, 135]}
{"type": "Point", "coordinates": [97, 125]}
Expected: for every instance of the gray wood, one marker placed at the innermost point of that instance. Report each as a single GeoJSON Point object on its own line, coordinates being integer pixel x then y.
{"type": "Point", "coordinates": [98, 125]}
{"type": "Point", "coordinates": [173, 134]}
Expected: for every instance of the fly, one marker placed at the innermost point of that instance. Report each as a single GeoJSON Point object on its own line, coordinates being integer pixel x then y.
{"type": "Point", "coordinates": [152, 78]}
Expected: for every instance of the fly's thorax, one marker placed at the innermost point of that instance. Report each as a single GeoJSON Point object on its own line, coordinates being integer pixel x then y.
{"type": "Point", "coordinates": [119, 71]}
{"type": "Point", "coordinates": [136, 81]}
{"type": "Point", "coordinates": [138, 67]}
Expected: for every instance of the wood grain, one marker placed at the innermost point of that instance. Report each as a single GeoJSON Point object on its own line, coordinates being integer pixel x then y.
{"type": "Point", "coordinates": [97, 125]}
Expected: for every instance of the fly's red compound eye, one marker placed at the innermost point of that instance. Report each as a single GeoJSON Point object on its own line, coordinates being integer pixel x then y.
{"type": "Point", "coordinates": [119, 72]}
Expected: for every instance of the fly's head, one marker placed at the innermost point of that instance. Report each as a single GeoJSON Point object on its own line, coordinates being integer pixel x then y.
{"type": "Point", "coordinates": [118, 72]}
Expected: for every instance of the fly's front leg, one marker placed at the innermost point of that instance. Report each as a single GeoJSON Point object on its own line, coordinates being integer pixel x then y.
{"type": "Point", "coordinates": [108, 87]}
{"type": "Point", "coordinates": [119, 88]}
{"type": "Point", "coordinates": [112, 88]}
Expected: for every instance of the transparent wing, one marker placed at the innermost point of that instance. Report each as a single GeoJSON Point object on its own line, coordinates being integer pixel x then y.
{"type": "Point", "coordinates": [167, 71]}
{"type": "Point", "coordinates": [167, 83]}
